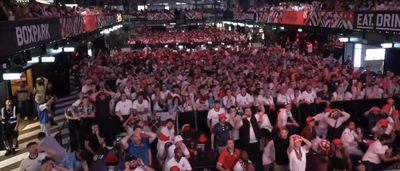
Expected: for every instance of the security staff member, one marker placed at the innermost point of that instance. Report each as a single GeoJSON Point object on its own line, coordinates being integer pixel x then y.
{"type": "Point", "coordinates": [9, 120]}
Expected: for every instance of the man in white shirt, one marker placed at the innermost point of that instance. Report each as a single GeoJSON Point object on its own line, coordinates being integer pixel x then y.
{"type": "Point", "coordinates": [178, 160]}
{"type": "Point", "coordinates": [244, 99]}
{"type": "Point", "coordinates": [322, 127]}
{"type": "Point", "coordinates": [213, 114]}
{"type": "Point", "coordinates": [123, 109]}
{"type": "Point", "coordinates": [350, 139]}
{"type": "Point", "coordinates": [178, 143]}
{"type": "Point", "coordinates": [140, 106]}
{"type": "Point", "coordinates": [297, 153]}
{"type": "Point", "coordinates": [335, 118]}
{"type": "Point", "coordinates": [166, 134]}
{"type": "Point", "coordinates": [34, 160]}
{"type": "Point", "coordinates": [376, 154]}
{"type": "Point", "coordinates": [309, 94]}
{"type": "Point", "coordinates": [382, 127]}
{"type": "Point", "coordinates": [284, 115]}
{"type": "Point", "coordinates": [269, 155]}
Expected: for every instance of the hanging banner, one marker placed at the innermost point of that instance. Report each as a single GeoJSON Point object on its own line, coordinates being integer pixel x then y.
{"type": "Point", "coordinates": [134, 17]}
{"type": "Point", "coordinates": [332, 19]}
{"type": "Point", "coordinates": [377, 20]}
{"type": "Point", "coordinates": [295, 17]}
{"type": "Point", "coordinates": [155, 120]}
{"type": "Point", "coordinates": [90, 23]}
{"type": "Point", "coordinates": [160, 16]}
{"type": "Point", "coordinates": [20, 35]}
{"type": "Point", "coordinates": [244, 16]}
{"type": "Point", "coordinates": [269, 17]}
{"type": "Point", "coordinates": [72, 26]}
{"type": "Point", "coordinates": [194, 15]}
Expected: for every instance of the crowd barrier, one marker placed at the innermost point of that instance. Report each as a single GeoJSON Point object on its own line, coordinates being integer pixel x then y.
{"type": "Point", "coordinates": [356, 109]}
{"type": "Point", "coordinates": [20, 35]}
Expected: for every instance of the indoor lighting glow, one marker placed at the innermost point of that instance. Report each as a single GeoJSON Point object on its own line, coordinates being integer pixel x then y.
{"type": "Point", "coordinates": [34, 60]}
{"type": "Point", "coordinates": [47, 59]}
{"type": "Point", "coordinates": [282, 28]}
{"type": "Point", "coordinates": [69, 49]}
{"type": "Point", "coordinates": [273, 28]}
{"type": "Point", "coordinates": [300, 30]}
{"type": "Point", "coordinates": [11, 76]}
{"type": "Point", "coordinates": [387, 45]}
{"type": "Point", "coordinates": [344, 39]}
{"type": "Point", "coordinates": [209, 42]}
{"type": "Point", "coordinates": [43, 1]}
{"type": "Point", "coordinates": [166, 46]}
{"type": "Point", "coordinates": [71, 5]}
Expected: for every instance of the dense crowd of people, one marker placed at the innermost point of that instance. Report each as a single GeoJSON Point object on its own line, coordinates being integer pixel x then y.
{"type": "Point", "coordinates": [162, 37]}
{"type": "Point", "coordinates": [238, 86]}
{"type": "Point", "coordinates": [13, 12]}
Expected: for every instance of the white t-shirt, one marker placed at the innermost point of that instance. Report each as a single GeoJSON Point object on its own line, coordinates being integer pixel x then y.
{"type": "Point", "coordinates": [238, 167]}
{"type": "Point", "coordinates": [294, 163]}
{"type": "Point", "coordinates": [32, 164]}
{"type": "Point", "coordinates": [204, 105]}
{"type": "Point", "coordinates": [124, 107]}
{"type": "Point", "coordinates": [183, 164]}
{"type": "Point", "coordinates": [232, 122]}
{"type": "Point", "coordinates": [269, 153]}
{"type": "Point", "coordinates": [171, 150]}
{"type": "Point", "coordinates": [283, 115]}
{"type": "Point", "coordinates": [372, 153]}
{"type": "Point", "coordinates": [309, 97]}
{"type": "Point", "coordinates": [265, 122]}
{"type": "Point", "coordinates": [244, 100]}
{"type": "Point", "coordinates": [232, 101]}
{"type": "Point", "coordinates": [213, 115]}
{"type": "Point", "coordinates": [140, 107]}
{"type": "Point", "coordinates": [156, 106]}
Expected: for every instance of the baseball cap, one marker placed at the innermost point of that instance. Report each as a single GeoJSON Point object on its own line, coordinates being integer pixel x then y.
{"type": "Point", "coordinates": [178, 138]}
{"type": "Point", "coordinates": [309, 119]}
{"type": "Point", "coordinates": [222, 115]}
{"type": "Point", "coordinates": [383, 122]}
{"type": "Point", "coordinates": [175, 168]}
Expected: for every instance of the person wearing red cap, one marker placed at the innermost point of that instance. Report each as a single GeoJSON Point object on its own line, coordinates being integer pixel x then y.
{"type": "Point", "coordinates": [373, 115]}
{"type": "Point", "coordinates": [390, 102]}
{"type": "Point", "coordinates": [297, 153]}
{"type": "Point", "coordinates": [339, 158]}
{"type": "Point", "coordinates": [178, 160]}
{"type": "Point", "coordinates": [174, 168]}
{"type": "Point", "coordinates": [382, 127]}
{"type": "Point", "coordinates": [318, 155]}
{"type": "Point", "coordinates": [376, 154]}
{"type": "Point", "coordinates": [309, 131]}
{"type": "Point", "coordinates": [335, 118]}
{"type": "Point", "coordinates": [350, 138]}
{"type": "Point", "coordinates": [221, 132]}
{"type": "Point", "coordinates": [228, 157]}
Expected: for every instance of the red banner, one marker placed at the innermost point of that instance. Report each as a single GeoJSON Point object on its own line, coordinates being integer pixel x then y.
{"type": "Point", "coordinates": [90, 23]}
{"type": "Point", "coordinates": [295, 17]}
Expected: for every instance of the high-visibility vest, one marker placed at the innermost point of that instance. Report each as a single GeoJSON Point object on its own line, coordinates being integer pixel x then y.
{"type": "Point", "coordinates": [13, 117]}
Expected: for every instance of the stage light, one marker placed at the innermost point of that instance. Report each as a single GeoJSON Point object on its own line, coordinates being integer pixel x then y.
{"type": "Point", "coordinates": [11, 76]}
{"type": "Point", "coordinates": [69, 49]}
{"type": "Point", "coordinates": [47, 59]}
{"type": "Point", "coordinates": [344, 39]}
